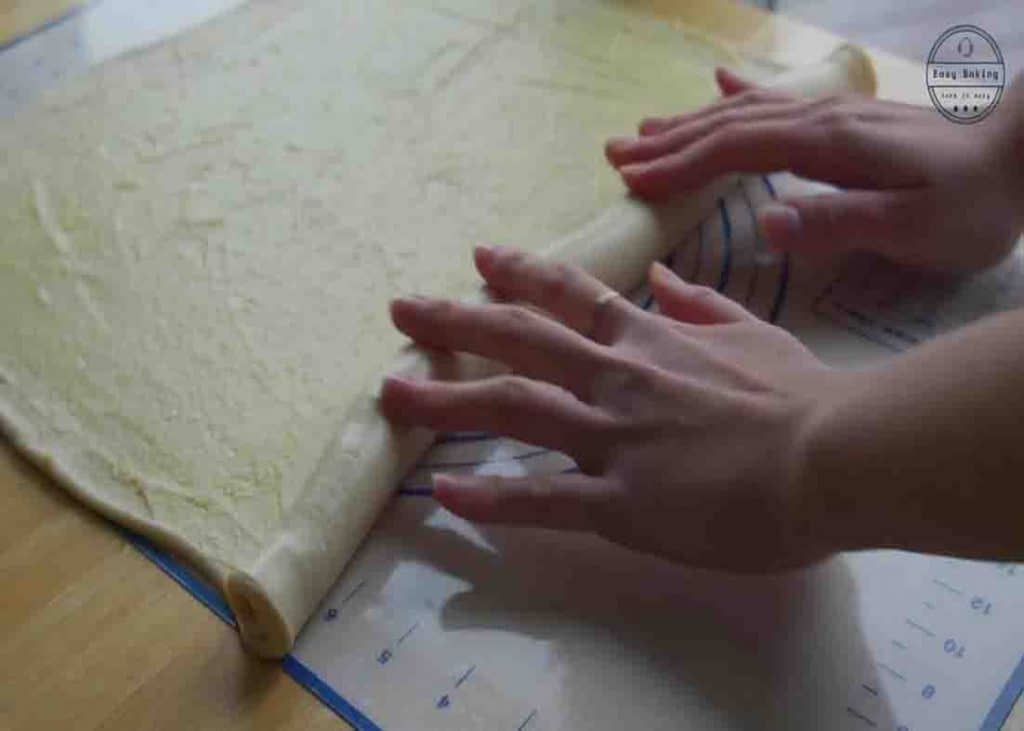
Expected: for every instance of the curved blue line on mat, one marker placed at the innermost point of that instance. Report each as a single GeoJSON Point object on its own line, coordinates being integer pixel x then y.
{"type": "Point", "coordinates": [723, 280]}
{"type": "Point", "coordinates": [756, 270]}
{"type": "Point", "coordinates": [416, 491]}
{"type": "Point", "coordinates": [467, 436]}
{"type": "Point", "coordinates": [475, 462]}
{"type": "Point", "coordinates": [780, 294]}
{"type": "Point", "coordinates": [700, 252]}
{"type": "Point", "coordinates": [327, 695]}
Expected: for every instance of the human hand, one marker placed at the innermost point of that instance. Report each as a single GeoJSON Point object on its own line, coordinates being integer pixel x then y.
{"type": "Point", "coordinates": [687, 426]}
{"type": "Point", "coordinates": [918, 188]}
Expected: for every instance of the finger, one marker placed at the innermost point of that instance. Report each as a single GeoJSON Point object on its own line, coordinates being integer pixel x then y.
{"type": "Point", "coordinates": [623, 151]}
{"type": "Point", "coordinates": [729, 82]}
{"type": "Point", "coordinates": [748, 97]}
{"type": "Point", "coordinates": [531, 411]}
{"type": "Point", "coordinates": [527, 342]}
{"type": "Point", "coordinates": [567, 292]}
{"type": "Point", "coordinates": [693, 304]}
{"type": "Point", "coordinates": [758, 147]}
{"type": "Point", "coordinates": [564, 501]}
{"type": "Point", "coordinates": [881, 220]}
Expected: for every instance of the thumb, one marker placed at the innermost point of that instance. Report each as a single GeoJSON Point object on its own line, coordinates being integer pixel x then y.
{"type": "Point", "coordinates": [692, 303]}
{"type": "Point", "coordinates": [879, 220]}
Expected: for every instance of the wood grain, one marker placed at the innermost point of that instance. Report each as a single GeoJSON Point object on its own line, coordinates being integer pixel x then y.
{"type": "Point", "coordinates": [94, 636]}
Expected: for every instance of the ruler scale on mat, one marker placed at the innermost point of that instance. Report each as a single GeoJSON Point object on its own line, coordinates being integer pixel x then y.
{"type": "Point", "coordinates": [440, 624]}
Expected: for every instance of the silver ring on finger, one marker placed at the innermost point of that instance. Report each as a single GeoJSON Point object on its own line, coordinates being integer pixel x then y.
{"type": "Point", "coordinates": [597, 314]}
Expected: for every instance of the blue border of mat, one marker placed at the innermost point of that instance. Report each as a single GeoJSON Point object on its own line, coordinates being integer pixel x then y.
{"type": "Point", "coordinates": [304, 676]}
{"type": "Point", "coordinates": [1000, 710]}
{"type": "Point", "coordinates": [213, 601]}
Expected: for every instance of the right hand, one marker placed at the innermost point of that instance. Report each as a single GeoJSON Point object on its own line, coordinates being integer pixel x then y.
{"type": "Point", "coordinates": [689, 425]}
{"type": "Point", "coordinates": [916, 187]}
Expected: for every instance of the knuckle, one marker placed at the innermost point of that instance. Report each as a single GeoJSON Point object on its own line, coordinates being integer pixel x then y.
{"type": "Point", "coordinates": [511, 390]}
{"type": "Point", "coordinates": [750, 96]}
{"type": "Point", "coordinates": [716, 142]}
{"type": "Point", "coordinates": [603, 434]}
{"type": "Point", "coordinates": [829, 101]}
{"type": "Point", "coordinates": [755, 96]}
{"type": "Point", "coordinates": [623, 378]}
{"type": "Point", "coordinates": [839, 121]}
{"type": "Point", "coordinates": [515, 317]}
{"type": "Point", "coordinates": [728, 119]}
{"type": "Point", "coordinates": [639, 378]}
{"type": "Point", "coordinates": [764, 96]}
{"type": "Point", "coordinates": [728, 130]}
{"type": "Point", "coordinates": [688, 331]}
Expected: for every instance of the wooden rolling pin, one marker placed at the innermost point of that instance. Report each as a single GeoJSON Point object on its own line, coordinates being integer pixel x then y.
{"type": "Point", "coordinates": [273, 600]}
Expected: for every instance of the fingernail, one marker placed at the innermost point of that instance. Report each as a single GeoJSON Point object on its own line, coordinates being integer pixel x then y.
{"type": "Point", "coordinates": [632, 174]}
{"type": "Point", "coordinates": [392, 382]}
{"type": "Point", "coordinates": [617, 143]}
{"type": "Point", "coordinates": [779, 223]}
{"type": "Point", "coordinates": [441, 482]}
{"type": "Point", "coordinates": [412, 300]}
{"type": "Point", "coordinates": [484, 255]}
{"type": "Point", "coordinates": [649, 125]}
{"type": "Point", "coordinates": [659, 269]}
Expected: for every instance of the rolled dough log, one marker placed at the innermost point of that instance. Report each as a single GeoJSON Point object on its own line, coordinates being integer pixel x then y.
{"type": "Point", "coordinates": [198, 244]}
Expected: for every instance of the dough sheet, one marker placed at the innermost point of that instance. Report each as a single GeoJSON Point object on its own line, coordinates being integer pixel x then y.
{"type": "Point", "coordinates": [199, 240]}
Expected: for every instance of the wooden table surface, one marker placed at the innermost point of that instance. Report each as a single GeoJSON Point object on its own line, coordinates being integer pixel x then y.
{"type": "Point", "coordinates": [95, 636]}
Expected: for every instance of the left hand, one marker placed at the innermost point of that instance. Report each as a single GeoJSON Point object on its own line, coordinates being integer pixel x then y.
{"type": "Point", "coordinates": [914, 186]}
{"type": "Point", "coordinates": [688, 426]}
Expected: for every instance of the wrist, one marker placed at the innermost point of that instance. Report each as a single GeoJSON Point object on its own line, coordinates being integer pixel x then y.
{"type": "Point", "coordinates": [1008, 148]}
{"type": "Point", "coordinates": [834, 508]}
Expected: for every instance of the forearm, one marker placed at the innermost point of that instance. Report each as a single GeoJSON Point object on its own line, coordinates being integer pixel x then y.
{"type": "Point", "coordinates": [926, 452]}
